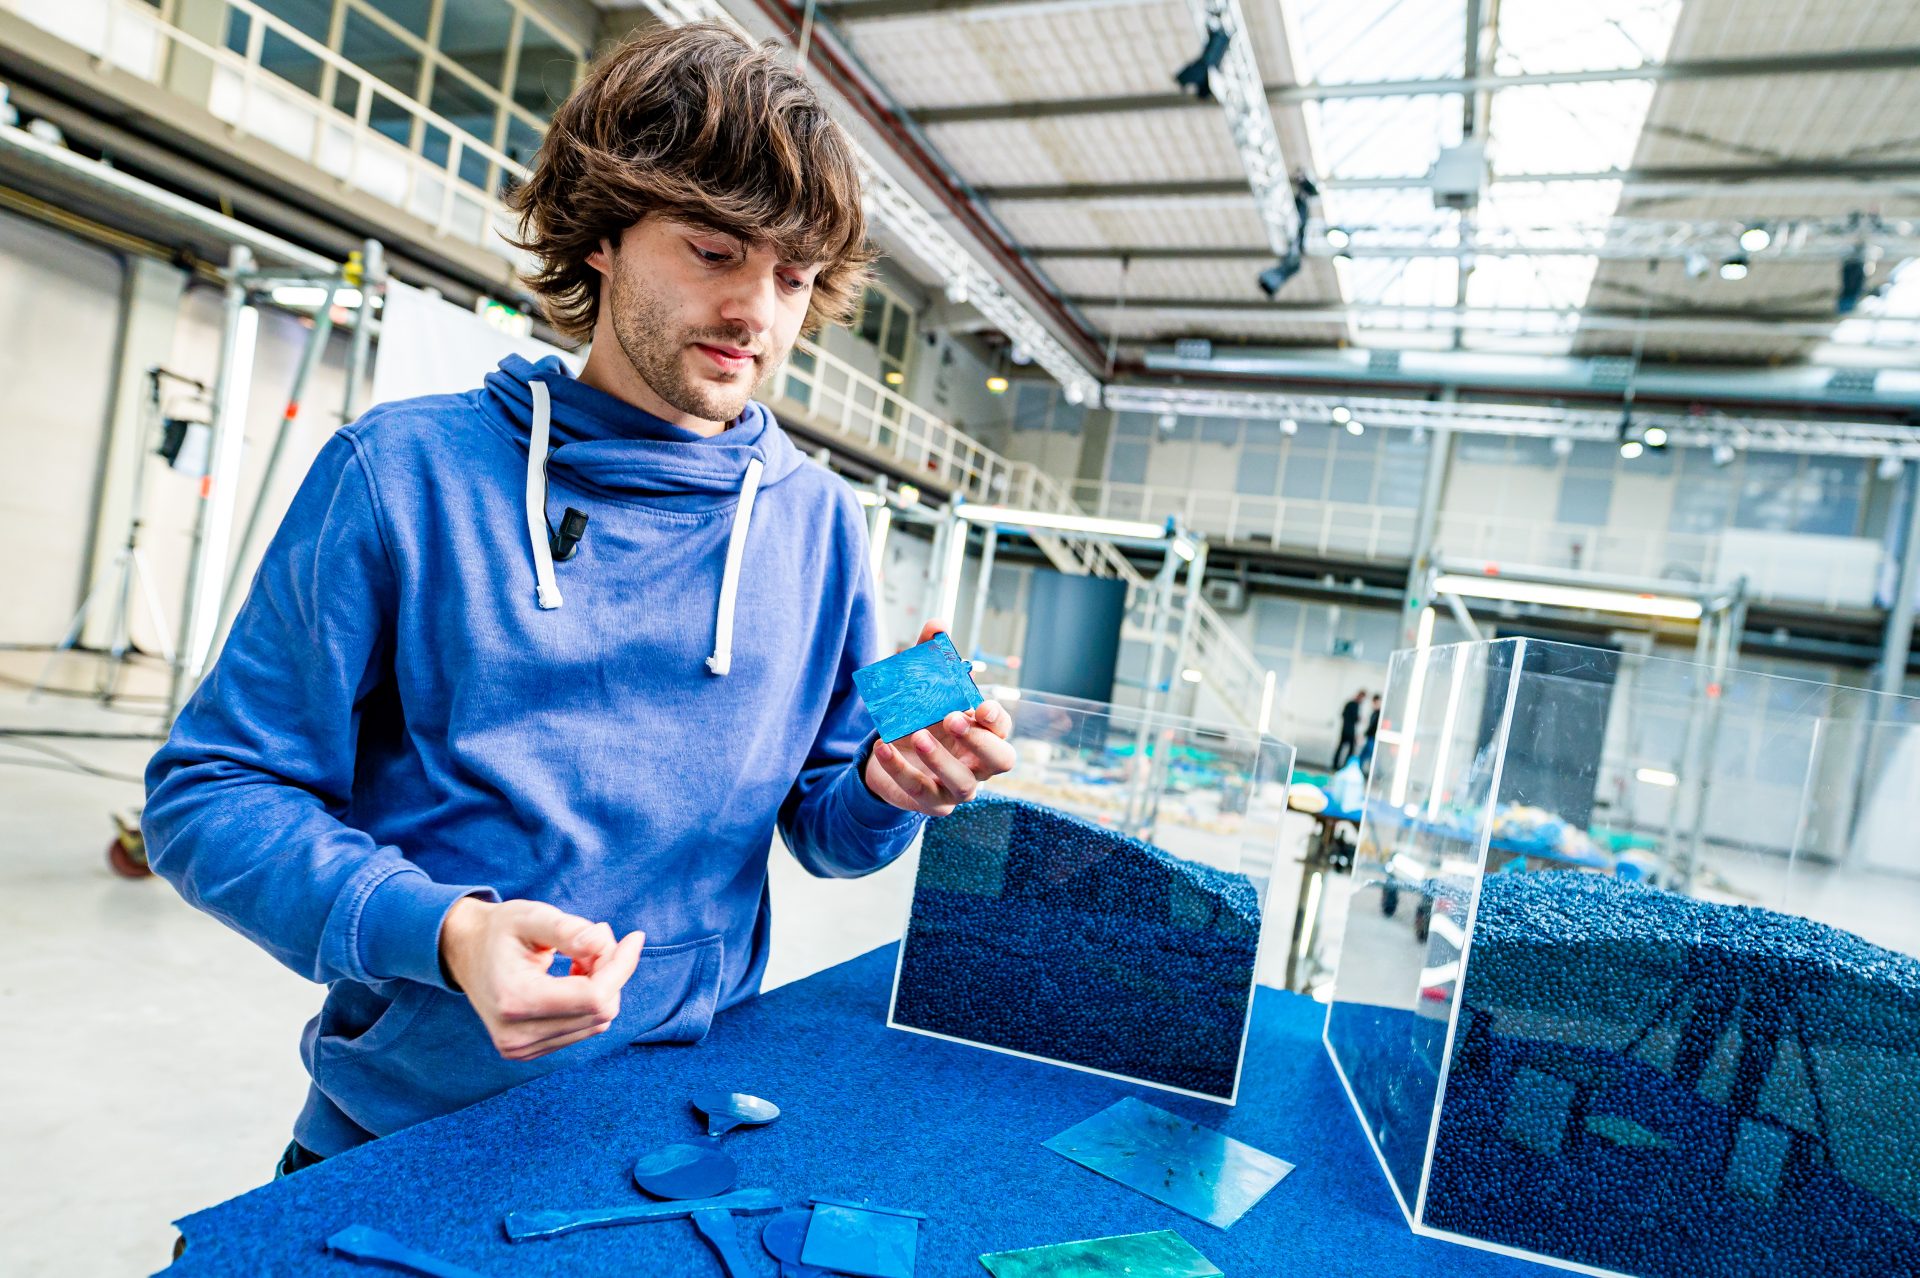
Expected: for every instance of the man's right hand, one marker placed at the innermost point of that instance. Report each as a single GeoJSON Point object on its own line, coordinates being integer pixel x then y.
{"type": "Point", "coordinates": [498, 954]}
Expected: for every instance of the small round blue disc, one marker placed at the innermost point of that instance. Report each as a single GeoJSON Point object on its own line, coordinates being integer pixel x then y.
{"type": "Point", "coordinates": [685, 1171]}
{"type": "Point", "coordinates": [786, 1234]}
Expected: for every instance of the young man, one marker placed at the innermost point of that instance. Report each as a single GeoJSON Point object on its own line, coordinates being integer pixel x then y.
{"type": "Point", "coordinates": [512, 802]}
{"type": "Point", "coordinates": [1349, 729]}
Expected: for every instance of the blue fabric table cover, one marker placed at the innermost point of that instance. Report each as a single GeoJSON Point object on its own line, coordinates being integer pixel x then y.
{"type": "Point", "coordinates": [868, 1113]}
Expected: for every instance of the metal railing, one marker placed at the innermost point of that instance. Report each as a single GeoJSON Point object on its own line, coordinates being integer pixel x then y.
{"type": "Point", "coordinates": [1328, 528]}
{"type": "Point", "coordinates": [828, 393]}
{"type": "Point", "coordinates": [238, 89]}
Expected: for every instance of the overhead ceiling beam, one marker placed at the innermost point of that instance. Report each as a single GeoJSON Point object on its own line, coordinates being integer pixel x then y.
{"type": "Point", "coordinates": [1800, 170]}
{"type": "Point", "coordinates": [1811, 324]}
{"type": "Point", "coordinates": [1850, 62]}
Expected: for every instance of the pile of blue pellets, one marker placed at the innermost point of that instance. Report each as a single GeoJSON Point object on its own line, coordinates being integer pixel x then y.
{"type": "Point", "coordinates": [1041, 933]}
{"type": "Point", "coordinates": [1673, 1088]}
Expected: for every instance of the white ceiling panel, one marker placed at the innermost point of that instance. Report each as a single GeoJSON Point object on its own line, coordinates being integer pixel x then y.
{"type": "Point", "coordinates": [1157, 146]}
{"type": "Point", "coordinates": [1215, 222]}
{"type": "Point", "coordinates": [979, 57]}
{"type": "Point", "coordinates": [1750, 28]}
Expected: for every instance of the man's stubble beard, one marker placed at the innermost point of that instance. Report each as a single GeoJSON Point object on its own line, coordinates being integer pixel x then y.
{"type": "Point", "coordinates": [655, 349]}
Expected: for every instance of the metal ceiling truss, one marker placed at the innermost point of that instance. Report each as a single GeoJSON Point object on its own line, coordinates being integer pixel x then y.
{"type": "Point", "coordinates": [1236, 85]}
{"type": "Point", "coordinates": [1849, 62]}
{"type": "Point", "coordinates": [1519, 320]}
{"type": "Point", "coordinates": [1825, 171]}
{"type": "Point", "coordinates": [1752, 434]}
{"type": "Point", "coordinates": [1627, 239]}
{"type": "Point", "coordinates": [890, 206]}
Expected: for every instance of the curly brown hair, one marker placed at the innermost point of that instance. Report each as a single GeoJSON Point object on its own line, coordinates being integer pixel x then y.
{"type": "Point", "coordinates": [696, 123]}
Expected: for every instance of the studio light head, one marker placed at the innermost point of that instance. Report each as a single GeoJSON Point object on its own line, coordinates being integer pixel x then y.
{"type": "Point", "coordinates": [1197, 75]}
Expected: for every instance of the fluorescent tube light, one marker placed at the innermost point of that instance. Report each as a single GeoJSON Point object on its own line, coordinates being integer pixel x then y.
{"type": "Point", "coordinates": [1540, 592]}
{"type": "Point", "coordinates": [1008, 516]}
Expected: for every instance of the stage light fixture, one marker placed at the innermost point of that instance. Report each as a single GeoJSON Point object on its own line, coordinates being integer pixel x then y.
{"type": "Point", "coordinates": [1337, 237]}
{"type": "Point", "coordinates": [1853, 284]}
{"type": "Point", "coordinates": [1198, 74]}
{"type": "Point", "coordinates": [1755, 239]}
{"type": "Point", "coordinates": [1734, 268]}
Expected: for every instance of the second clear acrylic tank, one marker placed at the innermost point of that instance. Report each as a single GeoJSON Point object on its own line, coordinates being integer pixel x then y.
{"type": "Point", "coordinates": [1629, 981]}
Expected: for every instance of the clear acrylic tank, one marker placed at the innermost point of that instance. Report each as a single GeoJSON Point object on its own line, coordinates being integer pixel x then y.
{"type": "Point", "coordinates": [1629, 982]}
{"type": "Point", "coordinates": [1100, 906]}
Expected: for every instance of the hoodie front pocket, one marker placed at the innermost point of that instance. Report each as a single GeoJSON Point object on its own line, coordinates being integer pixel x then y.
{"type": "Point", "coordinates": [429, 1054]}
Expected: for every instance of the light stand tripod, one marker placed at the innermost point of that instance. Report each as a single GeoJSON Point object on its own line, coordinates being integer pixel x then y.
{"type": "Point", "coordinates": [128, 571]}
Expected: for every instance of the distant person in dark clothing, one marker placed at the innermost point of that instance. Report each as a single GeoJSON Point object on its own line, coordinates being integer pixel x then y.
{"type": "Point", "coordinates": [1373, 730]}
{"type": "Point", "coordinates": [1349, 730]}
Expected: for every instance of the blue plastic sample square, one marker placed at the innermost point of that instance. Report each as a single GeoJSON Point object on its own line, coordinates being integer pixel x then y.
{"type": "Point", "coordinates": [917, 688]}
{"type": "Point", "coordinates": [1161, 1254]}
{"type": "Point", "coordinates": [870, 1242]}
{"type": "Point", "coordinates": [1188, 1167]}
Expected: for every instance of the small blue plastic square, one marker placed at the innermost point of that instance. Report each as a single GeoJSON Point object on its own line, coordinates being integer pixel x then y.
{"type": "Point", "coordinates": [867, 1242]}
{"type": "Point", "coordinates": [917, 688]}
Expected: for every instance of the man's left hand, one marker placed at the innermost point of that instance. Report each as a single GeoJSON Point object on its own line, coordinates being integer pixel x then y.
{"type": "Point", "coordinates": [936, 769]}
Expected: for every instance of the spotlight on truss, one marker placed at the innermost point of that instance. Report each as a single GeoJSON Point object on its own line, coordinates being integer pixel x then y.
{"type": "Point", "coordinates": [1734, 268]}
{"type": "Point", "coordinates": [1275, 277]}
{"type": "Point", "coordinates": [1756, 238]}
{"type": "Point", "coordinates": [1722, 453]}
{"type": "Point", "coordinates": [1338, 238]}
{"type": "Point", "coordinates": [1853, 284]}
{"type": "Point", "coordinates": [1197, 74]}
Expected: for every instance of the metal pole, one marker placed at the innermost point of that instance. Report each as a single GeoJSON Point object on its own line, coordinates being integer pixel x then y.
{"type": "Point", "coordinates": [1162, 608]}
{"type": "Point", "coordinates": [953, 567]}
{"type": "Point", "coordinates": [309, 360]}
{"type": "Point", "coordinates": [373, 283]}
{"type": "Point", "coordinates": [1140, 800]}
{"type": "Point", "coordinates": [1726, 641]}
{"type": "Point", "coordinates": [990, 538]}
{"type": "Point", "coordinates": [1896, 641]}
{"type": "Point", "coordinates": [209, 542]}
{"type": "Point", "coordinates": [1426, 524]}
{"type": "Point", "coordinates": [1196, 574]}
{"type": "Point", "coordinates": [936, 566]}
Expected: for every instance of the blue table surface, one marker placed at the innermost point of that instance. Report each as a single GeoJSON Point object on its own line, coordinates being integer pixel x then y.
{"type": "Point", "coordinates": [868, 1113]}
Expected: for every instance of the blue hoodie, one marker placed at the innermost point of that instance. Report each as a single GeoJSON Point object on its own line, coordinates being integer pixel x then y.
{"type": "Point", "coordinates": [405, 714]}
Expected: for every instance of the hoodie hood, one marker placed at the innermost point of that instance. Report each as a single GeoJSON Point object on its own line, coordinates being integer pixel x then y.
{"type": "Point", "coordinates": [609, 445]}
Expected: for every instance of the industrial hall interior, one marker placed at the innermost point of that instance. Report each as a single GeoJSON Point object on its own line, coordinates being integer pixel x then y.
{"type": "Point", "coordinates": [948, 638]}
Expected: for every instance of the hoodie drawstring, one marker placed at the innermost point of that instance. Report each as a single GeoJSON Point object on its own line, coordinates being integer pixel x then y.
{"type": "Point", "coordinates": [546, 589]}
{"type": "Point", "coordinates": [722, 659]}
